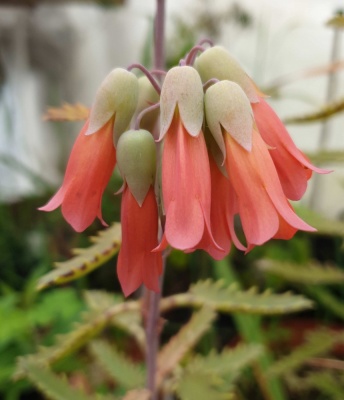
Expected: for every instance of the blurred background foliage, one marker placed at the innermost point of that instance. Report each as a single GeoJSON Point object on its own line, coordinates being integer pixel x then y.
{"type": "Point", "coordinates": [292, 356]}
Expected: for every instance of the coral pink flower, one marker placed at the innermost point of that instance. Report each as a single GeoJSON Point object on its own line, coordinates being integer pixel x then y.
{"type": "Point", "coordinates": [93, 156]}
{"type": "Point", "coordinates": [89, 169]}
{"type": "Point", "coordinates": [224, 206]}
{"type": "Point", "coordinates": [264, 210]}
{"type": "Point", "coordinates": [136, 263]}
{"type": "Point", "coordinates": [263, 207]}
{"type": "Point", "coordinates": [186, 190]}
{"type": "Point", "coordinates": [293, 167]}
{"type": "Point", "coordinates": [185, 164]}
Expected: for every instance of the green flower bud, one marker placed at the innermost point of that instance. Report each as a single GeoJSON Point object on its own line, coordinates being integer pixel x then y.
{"type": "Point", "coordinates": [217, 63]}
{"type": "Point", "coordinates": [182, 88]}
{"type": "Point", "coordinates": [136, 159]}
{"type": "Point", "coordinates": [147, 97]}
{"type": "Point", "coordinates": [117, 95]}
{"type": "Point", "coordinates": [147, 94]}
{"type": "Point", "coordinates": [227, 107]}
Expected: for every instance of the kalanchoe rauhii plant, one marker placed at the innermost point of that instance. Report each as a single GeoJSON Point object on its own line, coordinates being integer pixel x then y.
{"type": "Point", "coordinates": [195, 153]}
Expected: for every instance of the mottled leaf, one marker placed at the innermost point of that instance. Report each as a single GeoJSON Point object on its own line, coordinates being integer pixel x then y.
{"type": "Point", "coordinates": [117, 365]}
{"type": "Point", "coordinates": [50, 384]}
{"type": "Point", "coordinates": [230, 299]}
{"type": "Point", "coordinates": [105, 246]}
{"type": "Point", "coordinates": [183, 341]}
{"type": "Point", "coordinates": [67, 112]}
{"type": "Point", "coordinates": [229, 363]}
{"type": "Point", "coordinates": [130, 321]}
{"type": "Point", "coordinates": [215, 373]}
{"type": "Point", "coordinates": [68, 343]}
{"type": "Point", "coordinates": [198, 384]}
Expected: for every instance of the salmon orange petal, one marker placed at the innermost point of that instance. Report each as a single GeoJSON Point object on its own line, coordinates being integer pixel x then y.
{"type": "Point", "coordinates": [89, 169]}
{"type": "Point", "coordinates": [136, 263]}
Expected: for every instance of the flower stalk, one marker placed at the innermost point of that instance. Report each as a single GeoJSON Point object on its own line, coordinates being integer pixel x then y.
{"type": "Point", "coordinates": [153, 298]}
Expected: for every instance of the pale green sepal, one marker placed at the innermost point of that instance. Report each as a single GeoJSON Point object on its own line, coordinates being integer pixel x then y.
{"type": "Point", "coordinates": [136, 159]}
{"type": "Point", "coordinates": [147, 97]}
{"type": "Point", "coordinates": [118, 94]}
{"type": "Point", "coordinates": [218, 63]}
{"type": "Point", "coordinates": [227, 106]}
{"type": "Point", "coordinates": [182, 87]}
{"type": "Point", "coordinates": [147, 94]}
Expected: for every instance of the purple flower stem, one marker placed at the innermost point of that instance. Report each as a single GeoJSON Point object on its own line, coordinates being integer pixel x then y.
{"type": "Point", "coordinates": [153, 299]}
{"type": "Point", "coordinates": [159, 36]}
{"type": "Point", "coordinates": [148, 75]}
{"type": "Point", "coordinates": [153, 327]}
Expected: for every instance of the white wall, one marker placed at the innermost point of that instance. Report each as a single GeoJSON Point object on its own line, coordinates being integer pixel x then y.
{"type": "Point", "coordinates": [61, 53]}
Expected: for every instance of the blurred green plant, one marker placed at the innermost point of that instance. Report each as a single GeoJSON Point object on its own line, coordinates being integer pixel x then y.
{"type": "Point", "coordinates": [179, 369]}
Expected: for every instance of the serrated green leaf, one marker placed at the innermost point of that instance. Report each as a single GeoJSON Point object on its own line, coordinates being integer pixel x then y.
{"type": "Point", "coordinates": [130, 321]}
{"type": "Point", "coordinates": [229, 363]}
{"type": "Point", "coordinates": [231, 299]}
{"type": "Point", "coordinates": [170, 355]}
{"type": "Point", "coordinates": [313, 273]}
{"type": "Point", "coordinates": [251, 330]}
{"type": "Point", "coordinates": [219, 370]}
{"type": "Point", "coordinates": [197, 384]}
{"type": "Point", "coordinates": [51, 385]}
{"type": "Point", "coordinates": [324, 225]}
{"type": "Point", "coordinates": [66, 344]}
{"type": "Point", "coordinates": [99, 300]}
{"type": "Point", "coordinates": [105, 246]}
{"type": "Point", "coordinates": [117, 365]}
{"type": "Point", "coordinates": [317, 342]}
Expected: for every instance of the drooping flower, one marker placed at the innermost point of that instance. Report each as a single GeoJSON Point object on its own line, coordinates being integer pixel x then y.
{"type": "Point", "coordinates": [89, 169]}
{"type": "Point", "coordinates": [293, 167]}
{"type": "Point", "coordinates": [217, 62]}
{"type": "Point", "coordinates": [185, 164]}
{"type": "Point", "coordinates": [136, 262]}
{"type": "Point", "coordinates": [93, 156]}
{"type": "Point", "coordinates": [264, 210]}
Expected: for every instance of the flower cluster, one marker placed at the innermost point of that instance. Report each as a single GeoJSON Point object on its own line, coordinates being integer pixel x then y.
{"type": "Point", "coordinates": [195, 155]}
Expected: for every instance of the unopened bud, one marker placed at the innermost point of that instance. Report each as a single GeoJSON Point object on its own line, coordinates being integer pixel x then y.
{"type": "Point", "coordinates": [136, 159]}
{"type": "Point", "coordinates": [218, 63]}
{"type": "Point", "coordinates": [147, 97]}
